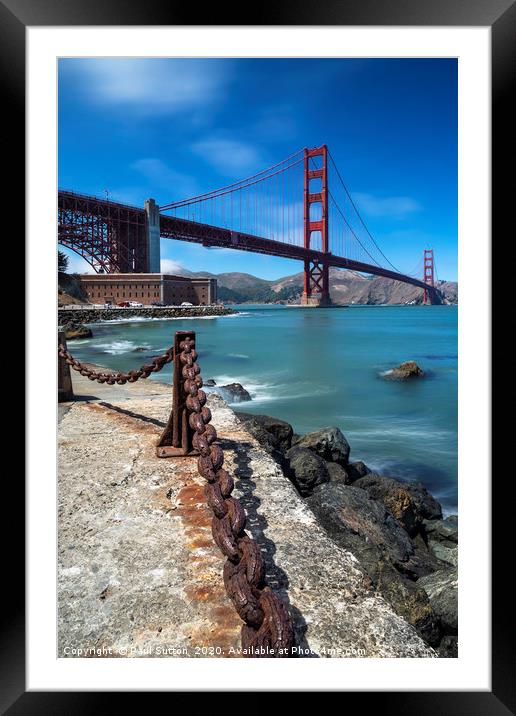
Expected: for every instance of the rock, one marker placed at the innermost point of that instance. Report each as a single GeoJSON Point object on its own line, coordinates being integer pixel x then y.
{"type": "Point", "coordinates": [365, 528]}
{"type": "Point", "coordinates": [404, 371]}
{"type": "Point", "coordinates": [337, 473]}
{"type": "Point", "coordinates": [139, 349]}
{"type": "Point", "coordinates": [448, 648]}
{"type": "Point", "coordinates": [420, 563]}
{"type": "Point", "coordinates": [234, 393]}
{"type": "Point", "coordinates": [210, 382]}
{"type": "Point", "coordinates": [356, 470]}
{"type": "Point", "coordinates": [280, 430]}
{"type": "Point", "coordinates": [409, 601]}
{"type": "Point", "coordinates": [427, 506]}
{"type": "Point", "coordinates": [442, 589]}
{"type": "Point", "coordinates": [360, 524]}
{"type": "Point", "coordinates": [447, 552]}
{"type": "Point", "coordinates": [442, 530]}
{"type": "Point", "coordinates": [329, 443]}
{"type": "Point", "coordinates": [76, 331]}
{"type": "Point", "coordinates": [369, 530]}
{"type": "Point", "coordinates": [409, 502]}
{"type": "Point", "coordinates": [307, 469]}
{"type": "Point", "coordinates": [396, 498]}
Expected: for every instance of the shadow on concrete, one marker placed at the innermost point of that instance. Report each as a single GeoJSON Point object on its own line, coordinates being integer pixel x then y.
{"type": "Point", "coordinates": [256, 525]}
{"type": "Point", "coordinates": [132, 414]}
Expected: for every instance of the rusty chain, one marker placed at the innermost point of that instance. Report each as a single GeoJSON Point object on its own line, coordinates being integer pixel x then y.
{"type": "Point", "coordinates": [121, 378]}
{"type": "Point", "coordinates": [267, 630]}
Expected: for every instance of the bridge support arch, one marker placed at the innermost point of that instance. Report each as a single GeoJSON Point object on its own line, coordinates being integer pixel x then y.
{"type": "Point", "coordinates": [316, 290]}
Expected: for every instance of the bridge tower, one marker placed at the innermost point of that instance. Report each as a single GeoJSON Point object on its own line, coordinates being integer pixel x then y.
{"type": "Point", "coordinates": [316, 290]}
{"type": "Point", "coordinates": [153, 236]}
{"type": "Point", "coordinates": [428, 274]}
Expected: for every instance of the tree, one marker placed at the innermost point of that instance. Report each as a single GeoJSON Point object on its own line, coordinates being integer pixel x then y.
{"type": "Point", "coordinates": [62, 261]}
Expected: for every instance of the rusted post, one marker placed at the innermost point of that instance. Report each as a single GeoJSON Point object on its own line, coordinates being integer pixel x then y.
{"type": "Point", "coordinates": [176, 438]}
{"type": "Point", "coordinates": [64, 379]}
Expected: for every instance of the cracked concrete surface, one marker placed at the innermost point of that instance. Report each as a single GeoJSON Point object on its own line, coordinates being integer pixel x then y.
{"type": "Point", "coordinates": [139, 574]}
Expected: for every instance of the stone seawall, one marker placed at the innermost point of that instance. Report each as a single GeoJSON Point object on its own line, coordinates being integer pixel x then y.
{"type": "Point", "coordinates": [139, 573]}
{"type": "Point", "coordinates": [93, 315]}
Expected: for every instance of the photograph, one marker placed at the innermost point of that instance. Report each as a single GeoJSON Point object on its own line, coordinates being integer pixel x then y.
{"type": "Point", "coordinates": [258, 301]}
{"type": "Point", "coordinates": [260, 263]}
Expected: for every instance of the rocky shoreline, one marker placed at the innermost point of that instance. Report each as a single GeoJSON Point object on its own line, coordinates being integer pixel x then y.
{"type": "Point", "coordinates": [77, 316]}
{"type": "Point", "coordinates": [395, 529]}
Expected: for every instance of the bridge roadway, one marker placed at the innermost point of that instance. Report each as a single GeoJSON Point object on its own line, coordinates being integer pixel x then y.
{"type": "Point", "coordinates": [213, 236]}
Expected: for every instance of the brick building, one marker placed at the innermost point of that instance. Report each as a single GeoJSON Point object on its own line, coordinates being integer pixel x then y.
{"type": "Point", "coordinates": [148, 288]}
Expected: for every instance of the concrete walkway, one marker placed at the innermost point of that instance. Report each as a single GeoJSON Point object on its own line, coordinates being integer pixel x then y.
{"type": "Point", "coordinates": [139, 574]}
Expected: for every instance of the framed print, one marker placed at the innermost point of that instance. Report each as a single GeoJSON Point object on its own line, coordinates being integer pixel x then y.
{"type": "Point", "coordinates": [273, 400]}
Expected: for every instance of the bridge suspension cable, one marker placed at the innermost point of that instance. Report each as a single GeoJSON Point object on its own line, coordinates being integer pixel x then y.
{"type": "Point", "coordinates": [359, 216]}
{"type": "Point", "coordinates": [236, 186]}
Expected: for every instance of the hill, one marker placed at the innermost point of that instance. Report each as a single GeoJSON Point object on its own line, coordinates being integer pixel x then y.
{"type": "Point", "coordinates": [347, 287]}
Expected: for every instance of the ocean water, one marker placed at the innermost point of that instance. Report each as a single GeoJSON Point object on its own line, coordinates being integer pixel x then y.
{"type": "Point", "coordinates": [323, 367]}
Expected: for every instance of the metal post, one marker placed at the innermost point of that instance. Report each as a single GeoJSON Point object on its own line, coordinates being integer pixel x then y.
{"type": "Point", "coordinates": [64, 378]}
{"type": "Point", "coordinates": [176, 438]}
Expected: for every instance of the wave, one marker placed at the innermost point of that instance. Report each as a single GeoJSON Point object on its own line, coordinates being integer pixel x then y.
{"type": "Point", "coordinates": [122, 346]}
{"type": "Point", "coordinates": [261, 392]}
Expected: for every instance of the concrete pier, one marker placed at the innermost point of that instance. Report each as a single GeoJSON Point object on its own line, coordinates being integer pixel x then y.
{"type": "Point", "coordinates": [153, 235]}
{"type": "Point", "coordinates": [139, 573]}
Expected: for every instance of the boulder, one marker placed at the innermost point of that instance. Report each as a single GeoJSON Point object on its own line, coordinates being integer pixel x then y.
{"type": "Point", "coordinates": [404, 371]}
{"type": "Point", "coordinates": [307, 469]}
{"type": "Point", "coordinates": [329, 443]}
{"type": "Point", "coordinates": [409, 502]}
{"type": "Point", "coordinates": [356, 470]}
{"type": "Point", "coordinates": [74, 331]}
{"type": "Point", "coordinates": [442, 589]}
{"type": "Point", "coordinates": [446, 530]}
{"type": "Point", "coordinates": [210, 383]}
{"type": "Point", "coordinates": [234, 393]}
{"type": "Point", "coordinates": [449, 647]}
{"type": "Point", "coordinates": [337, 473]}
{"type": "Point", "coordinates": [139, 349]}
{"type": "Point", "coordinates": [409, 601]}
{"type": "Point", "coordinates": [427, 506]}
{"type": "Point", "coordinates": [280, 431]}
{"type": "Point", "coordinates": [366, 529]}
{"type": "Point", "coordinates": [396, 498]}
{"type": "Point", "coordinates": [360, 524]}
{"type": "Point", "coordinates": [445, 551]}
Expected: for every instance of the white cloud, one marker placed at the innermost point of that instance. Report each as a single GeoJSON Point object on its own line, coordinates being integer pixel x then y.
{"type": "Point", "coordinates": [150, 84]}
{"type": "Point", "coordinates": [170, 266]}
{"type": "Point", "coordinates": [396, 207]}
{"type": "Point", "coordinates": [229, 156]}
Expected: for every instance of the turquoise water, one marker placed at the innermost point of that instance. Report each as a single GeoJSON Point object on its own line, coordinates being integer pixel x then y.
{"type": "Point", "coordinates": [322, 367]}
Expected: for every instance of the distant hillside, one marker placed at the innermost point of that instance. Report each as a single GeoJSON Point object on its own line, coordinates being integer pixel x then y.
{"type": "Point", "coordinates": [347, 287]}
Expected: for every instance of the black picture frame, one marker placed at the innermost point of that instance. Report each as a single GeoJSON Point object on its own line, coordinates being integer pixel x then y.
{"type": "Point", "coordinates": [500, 15]}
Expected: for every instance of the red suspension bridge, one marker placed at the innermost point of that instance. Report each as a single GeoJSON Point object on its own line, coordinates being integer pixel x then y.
{"type": "Point", "coordinates": [299, 209]}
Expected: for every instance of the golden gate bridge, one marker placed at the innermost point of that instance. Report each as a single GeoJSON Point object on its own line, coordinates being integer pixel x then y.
{"type": "Point", "coordinates": [298, 209]}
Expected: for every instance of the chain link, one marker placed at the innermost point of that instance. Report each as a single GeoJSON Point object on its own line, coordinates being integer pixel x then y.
{"type": "Point", "coordinates": [268, 629]}
{"type": "Point", "coordinates": [120, 378]}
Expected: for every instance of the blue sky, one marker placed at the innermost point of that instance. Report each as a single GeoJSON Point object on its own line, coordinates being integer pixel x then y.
{"type": "Point", "coordinates": [171, 128]}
